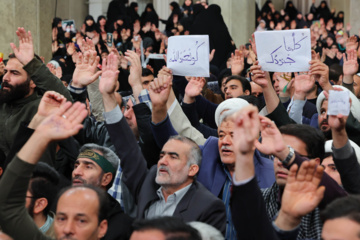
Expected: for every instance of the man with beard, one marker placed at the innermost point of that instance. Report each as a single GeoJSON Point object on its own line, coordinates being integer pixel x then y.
{"type": "Point", "coordinates": [96, 166]}
{"type": "Point", "coordinates": [24, 75]}
{"type": "Point", "coordinates": [80, 212]}
{"type": "Point", "coordinates": [170, 188]}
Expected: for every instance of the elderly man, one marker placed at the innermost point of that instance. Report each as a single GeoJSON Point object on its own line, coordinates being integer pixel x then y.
{"type": "Point", "coordinates": [80, 212]}
{"type": "Point", "coordinates": [170, 188]}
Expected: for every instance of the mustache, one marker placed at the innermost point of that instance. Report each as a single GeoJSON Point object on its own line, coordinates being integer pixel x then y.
{"type": "Point", "coordinates": [163, 168]}
{"type": "Point", "coordinates": [225, 147]}
{"type": "Point", "coordinates": [6, 84]}
{"type": "Point", "coordinates": [79, 178]}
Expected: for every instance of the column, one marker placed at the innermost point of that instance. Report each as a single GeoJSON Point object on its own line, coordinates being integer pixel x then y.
{"type": "Point", "coordinates": [36, 16]}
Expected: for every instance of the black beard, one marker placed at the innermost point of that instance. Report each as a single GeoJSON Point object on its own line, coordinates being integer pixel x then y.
{"type": "Point", "coordinates": [328, 134]}
{"type": "Point", "coordinates": [15, 93]}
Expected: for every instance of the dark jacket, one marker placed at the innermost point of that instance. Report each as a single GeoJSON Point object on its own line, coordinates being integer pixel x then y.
{"type": "Point", "coordinates": [198, 204]}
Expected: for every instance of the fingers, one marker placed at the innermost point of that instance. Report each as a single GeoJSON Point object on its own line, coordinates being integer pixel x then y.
{"type": "Point", "coordinates": [302, 171]}
{"type": "Point", "coordinates": [292, 174]}
{"type": "Point", "coordinates": [319, 171]}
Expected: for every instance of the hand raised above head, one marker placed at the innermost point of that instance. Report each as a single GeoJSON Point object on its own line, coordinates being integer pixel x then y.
{"type": "Point", "coordinates": [159, 90]}
{"type": "Point", "coordinates": [109, 74]}
{"type": "Point", "coordinates": [86, 70]}
{"type": "Point", "coordinates": [25, 52]}
{"type": "Point", "coordinates": [135, 68]}
{"type": "Point", "coordinates": [259, 76]}
{"type": "Point", "coordinates": [64, 122]}
{"type": "Point", "coordinates": [195, 86]}
{"type": "Point", "coordinates": [246, 131]}
{"type": "Point", "coordinates": [302, 193]}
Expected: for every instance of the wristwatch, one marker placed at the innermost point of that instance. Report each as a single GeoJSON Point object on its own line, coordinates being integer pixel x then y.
{"type": "Point", "coordinates": [286, 161]}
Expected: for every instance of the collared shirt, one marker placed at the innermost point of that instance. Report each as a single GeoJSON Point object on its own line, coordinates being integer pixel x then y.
{"type": "Point", "coordinates": [162, 208]}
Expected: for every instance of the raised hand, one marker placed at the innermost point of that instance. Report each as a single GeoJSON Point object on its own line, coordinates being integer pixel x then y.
{"type": "Point", "coordinates": [86, 69]}
{"type": "Point", "coordinates": [87, 45]}
{"type": "Point", "coordinates": [320, 72]}
{"type": "Point", "coordinates": [237, 62]}
{"type": "Point", "coordinates": [166, 72]}
{"type": "Point", "coordinates": [109, 74]}
{"type": "Point", "coordinates": [285, 80]}
{"type": "Point", "coordinates": [302, 194]}
{"type": "Point", "coordinates": [71, 49]}
{"type": "Point", "coordinates": [193, 88]}
{"type": "Point", "coordinates": [351, 43]}
{"type": "Point", "coordinates": [259, 76]}
{"type": "Point", "coordinates": [50, 103]}
{"type": "Point", "coordinates": [159, 90]}
{"type": "Point", "coordinates": [253, 44]}
{"type": "Point", "coordinates": [337, 122]}
{"type": "Point", "coordinates": [272, 142]}
{"type": "Point", "coordinates": [246, 131]}
{"type": "Point", "coordinates": [25, 52]}
{"type": "Point", "coordinates": [64, 123]}
{"type": "Point", "coordinates": [303, 83]}
{"type": "Point", "coordinates": [351, 65]}
{"type": "Point", "coordinates": [135, 68]}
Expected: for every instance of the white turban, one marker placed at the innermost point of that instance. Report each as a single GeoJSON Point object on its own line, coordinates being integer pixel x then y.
{"type": "Point", "coordinates": [355, 104]}
{"type": "Point", "coordinates": [231, 105]}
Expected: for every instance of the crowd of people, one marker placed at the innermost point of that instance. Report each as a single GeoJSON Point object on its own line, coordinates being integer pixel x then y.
{"type": "Point", "coordinates": [104, 142]}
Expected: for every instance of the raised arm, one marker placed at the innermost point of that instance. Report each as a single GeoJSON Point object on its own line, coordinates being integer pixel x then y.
{"type": "Point", "coordinates": [36, 69]}
{"type": "Point", "coordinates": [350, 68]}
{"type": "Point", "coordinates": [63, 123]}
{"type": "Point", "coordinates": [344, 155]}
{"type": "Point", "coordinates": [247, 204]}
{"type": "Point", "coordinates": [132, 162]}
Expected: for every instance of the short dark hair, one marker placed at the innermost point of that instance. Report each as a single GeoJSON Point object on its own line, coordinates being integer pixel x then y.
{"type": "Point", "coordinates": [244, 82]}
{"type": "Point", "coordinates": [173, 228]}
{"type": "Point", "coordinates": [223, 74]}
{"type": "Point", "coordinates": [102, 198]}
{"type": "Point", "coordinates": [253, 100]}
{"type": "Point", "coordinates": [345, 207]}
{"type": "Point", "coordinates": [146, 72]}
{"type": "Point", "coordinates": [335, 71]}
{"type": "Point", "coordinates": [313, 138]}
{"type": "Point", "coordinates": [44, 184]}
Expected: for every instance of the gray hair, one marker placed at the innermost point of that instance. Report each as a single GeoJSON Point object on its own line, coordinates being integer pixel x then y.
{"type": "Point", "coordinates": [195, 155]}
{"type": "Point", "coordinates": [207, 231]}
{"type": "Point", "coordinates": [106, 153]}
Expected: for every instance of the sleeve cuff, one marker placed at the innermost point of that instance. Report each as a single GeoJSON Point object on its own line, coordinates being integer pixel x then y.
{"type": "Point", "coordinates": [159, 123]}
{"type": "Point", "coordinates": [113, 116]}
{"type": "Point", "coordinates": [172, 107]}
{"type": "Point", "coordinates": [344, 152]}
{"type": "Point", "coordinates": [243, 182]}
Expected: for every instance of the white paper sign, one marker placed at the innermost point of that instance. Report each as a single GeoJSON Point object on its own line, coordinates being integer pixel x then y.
{"type": "Point", "coordinates": [284, 51]}
{"type": "Point", "coordinates": [189, 55]}
{"type": "Point", "coordinates": [339, 103]}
